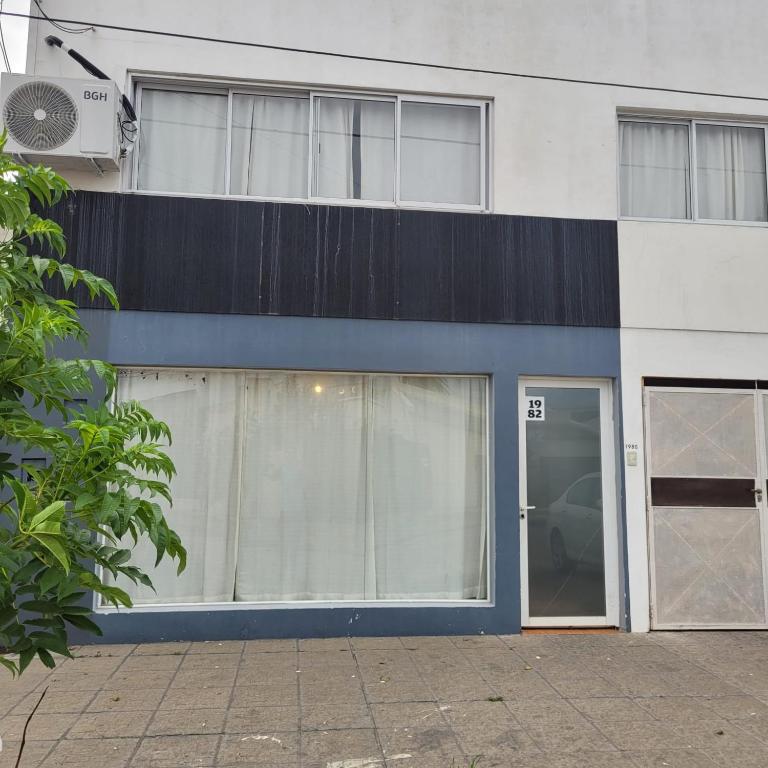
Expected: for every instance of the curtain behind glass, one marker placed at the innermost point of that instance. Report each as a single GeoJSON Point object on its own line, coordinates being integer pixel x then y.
{"type": "Point", "coordinates": [730, 168]}
{"type": "Point", "coordinates": [269, 146]}
{"type": "Point", "coordinates": [440, 153]}
{"type": "Point", "coordinates": [654, 169]}
{"type": "Point", "coordinates": [363, 487]}
{"type": "Point", "coordinates": [303, 522]}
{"type": "Point", "coordinates": [204, 410]}
{"type": "Point", "coordinates": [427, 487]}
{"type": "Point", "coordinates": [183, 139]}
{"type": "Point", "coordinates": [354, 148]}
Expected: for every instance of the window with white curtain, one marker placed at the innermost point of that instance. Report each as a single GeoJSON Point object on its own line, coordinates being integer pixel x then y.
{"type": "Point", "coordinates": [321, 486]}
{"type": "Point", "coordinates": [441, 153]}
{"type": "Point", "coordinates": [658, 180]}
{"type": "Point", "coordinates": [354, 149]}
{"type": "Point", "coordinates": [388, 149]}
{"type": "Point", "coordinates": [269, 145]}
{"type": "Point", "coordinates": [730, 167]}
{"type": "Point", "coordinates": [183, 139]}
{"type": "Point", "coordinates": [655, 176]}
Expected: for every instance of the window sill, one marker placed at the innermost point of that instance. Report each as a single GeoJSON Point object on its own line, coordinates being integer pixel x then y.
{"type": "Point", "coordinates": [716, 222]}
{"type": "Point", "coordinates": [293, 605]}
{"type": "Point", "coordinates": [446, 208]}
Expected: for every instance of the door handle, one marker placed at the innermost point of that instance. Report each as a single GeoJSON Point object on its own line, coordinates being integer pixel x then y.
{"type": "Point", "coordinates": [758, 494]}
{"type": "Point", "coordinates": [523, 509]}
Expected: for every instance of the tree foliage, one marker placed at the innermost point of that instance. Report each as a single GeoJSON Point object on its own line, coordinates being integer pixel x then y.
{"type": "Point", "coordinates": [64, 521]}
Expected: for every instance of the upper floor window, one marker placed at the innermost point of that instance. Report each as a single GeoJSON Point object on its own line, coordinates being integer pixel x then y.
{"type": "Point", "coordinates": [332, 146]}
{"type": "Point", "coordinates": [692, 170]}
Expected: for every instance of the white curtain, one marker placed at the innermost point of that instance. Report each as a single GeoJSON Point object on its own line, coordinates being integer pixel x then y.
{"type": "Point", "coordinates": [304, 486]}
{"type": "Point", "coordinates": [183, 139]}
{"type": "Point", "coordinates": [363, 487]}
{"type": "Point", "coordinates": [302, 527]}
{"type": "Point", "coordinates": [204, 410]}
{"type": "Point", "coordinates": [730, 168]}
{"type": "Point", "coordinates": [654, 170]}
{"type": "Point", "coordinates": [427, 487]}
{"type": "Point", "coordinates": [354, 148]}
{"type": "Point", "coordinates": [269, 146]}
{"type": "Point", "coordinates": [440, 153]}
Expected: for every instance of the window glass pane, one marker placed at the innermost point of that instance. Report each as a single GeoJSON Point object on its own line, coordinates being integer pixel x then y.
{"type": "Point", "coordinates": [182, 142]}
{"type": "Point", "coordinates": [440, 153]}
{"type": "Point", "coordinates": [205, 411]}
{"type": "Point", "coordinates": [654, 170]}
{"type": "Point", "coordinates": [353, 487]}
{"type": "Point", "coordinates": [363, 487]}
{"type": "Point", "coordinates": [354, 148]}
{"type": "Point", "coordinates": [269, 146]}
{"type": "Point", "coordinates": [730, 172]}
{"type": "Point", "coordinates": [566, 561]}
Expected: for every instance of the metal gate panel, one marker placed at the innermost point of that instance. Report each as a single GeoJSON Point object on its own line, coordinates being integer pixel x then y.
{"type": "Point", "coordinates": [706, 528]}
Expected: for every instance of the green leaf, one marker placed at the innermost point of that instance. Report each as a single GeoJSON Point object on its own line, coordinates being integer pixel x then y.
{"type": "Point", "coordinates": [25, 657]}
{"type": "Point", "coordinates": [7, 615]}
{"type": "Point", "coordinates": [9, 665]}
{"type": "Point", "coordinates": [55, 547]}
{"type": "Point", "coordinates": [40, 606]}
{"type": "Point", "coordinates": [46, 658]}
{"type": "Point", "coordinates": [50, 642]}
{"type": "Point", "coordinates": [28, 572]}
{"type": "Point", "coordinates": [50, 579]}
{"type": "Point", "coordinates": [56, 508]}
{"type": "Point", "coordinates": [81, 622]}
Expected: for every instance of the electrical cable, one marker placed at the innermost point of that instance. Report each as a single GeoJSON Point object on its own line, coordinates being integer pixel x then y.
{"type": "Point", "coordinates": [91, 69]}
{"type": "Point", "coordinates": [382, 60]}
{"type": "Point", "coordinates": [2, 43]}
{"type": "Point", "coordinates": [58, 26]}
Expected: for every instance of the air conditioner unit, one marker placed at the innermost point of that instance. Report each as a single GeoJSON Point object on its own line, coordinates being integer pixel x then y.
{"type": "Point", "coordinates": [68, 124]}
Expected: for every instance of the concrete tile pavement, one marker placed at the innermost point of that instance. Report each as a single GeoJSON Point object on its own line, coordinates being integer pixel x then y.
{"type": "Point", "coordinates": [562, 701]}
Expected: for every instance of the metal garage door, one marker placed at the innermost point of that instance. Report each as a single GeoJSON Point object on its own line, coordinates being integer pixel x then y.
{"type": "Point", "coordinates": [706, 471]}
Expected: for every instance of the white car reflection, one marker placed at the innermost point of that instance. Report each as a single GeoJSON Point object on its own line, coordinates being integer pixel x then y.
{"type": "Point", "coordinates": [575, 525]}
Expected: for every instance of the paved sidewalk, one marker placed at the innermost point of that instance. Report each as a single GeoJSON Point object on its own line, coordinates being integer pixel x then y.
{"type": "Point", "coordinates": [588, 701]}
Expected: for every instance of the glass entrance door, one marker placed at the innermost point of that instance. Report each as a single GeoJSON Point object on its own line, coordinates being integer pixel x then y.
{"type": "Point", "coordinates": [567, 504]}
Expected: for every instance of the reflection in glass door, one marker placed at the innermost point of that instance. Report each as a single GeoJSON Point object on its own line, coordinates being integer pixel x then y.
{"type": "Point", "coordinates": [567, 510]}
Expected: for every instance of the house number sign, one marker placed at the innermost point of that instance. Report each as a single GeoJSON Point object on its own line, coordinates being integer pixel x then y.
{"type": "Point", "coordinates": [534, 409]}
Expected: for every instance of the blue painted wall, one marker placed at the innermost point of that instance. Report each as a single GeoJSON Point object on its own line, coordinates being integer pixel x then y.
{"type": "Point", "coordinates": [504, 352]}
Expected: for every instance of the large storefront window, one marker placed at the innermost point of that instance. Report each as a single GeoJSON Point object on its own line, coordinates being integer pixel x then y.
{"type": "Point", "coordinates": [321, 486]}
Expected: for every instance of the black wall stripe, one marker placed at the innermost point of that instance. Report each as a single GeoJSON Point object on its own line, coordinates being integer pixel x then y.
{"type": "Point", "coordinates": [661, 381]}
{"type": "Point", "coordinates": [250, 257]}
{"type": "Point", "coordinates": [702, 492]}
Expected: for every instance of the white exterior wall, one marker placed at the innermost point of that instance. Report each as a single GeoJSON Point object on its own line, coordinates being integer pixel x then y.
{"type": "Point", "coordinates": [692, 295]}
{"type": "Point", "coordinates": [554, 143]}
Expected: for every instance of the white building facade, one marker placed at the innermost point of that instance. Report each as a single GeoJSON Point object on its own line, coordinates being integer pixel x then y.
{"type": "Point", "coordinates": [644, 488]}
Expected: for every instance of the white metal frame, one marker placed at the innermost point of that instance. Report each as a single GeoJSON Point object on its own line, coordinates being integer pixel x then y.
{"type": "Point", "coordinates": [761, 470]}
{"type": "Point", "coordinates": [487, 602]}
{"type": "Point", "coordinates": [312, 94]}
{"type": "Point", "coordinates": [693, 202]}
{"type": "Point", "coordinates": [611, 505]}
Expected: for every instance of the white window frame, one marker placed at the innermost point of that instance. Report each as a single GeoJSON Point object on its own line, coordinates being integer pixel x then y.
{"type": "Point", "coordinates": [490, 563]}
{"type": "Point", "coordinates": [693, 201]}
{"type": "Point", "coordinates": [313, 93]}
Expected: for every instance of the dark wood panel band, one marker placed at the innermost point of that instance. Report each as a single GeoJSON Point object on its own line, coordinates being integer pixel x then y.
{"type": "Point", "coordinates": [702, 492]}
{"type": "Point", "coordinates": [663, 381]}
{"type": "Point", "coordinates": [252, 257]}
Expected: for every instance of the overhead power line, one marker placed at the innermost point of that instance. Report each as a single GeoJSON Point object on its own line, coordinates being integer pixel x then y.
{"type": "Point", "coordinates": [3, 49]}
{"type": "Point", "coordinates": [58, 26]}
{"type": "Point", "coordinates": [377, 59]}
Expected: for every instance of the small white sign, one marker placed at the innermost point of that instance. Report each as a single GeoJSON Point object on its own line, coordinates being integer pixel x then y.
{"type": "Point", "coordinates": [534, 409]}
